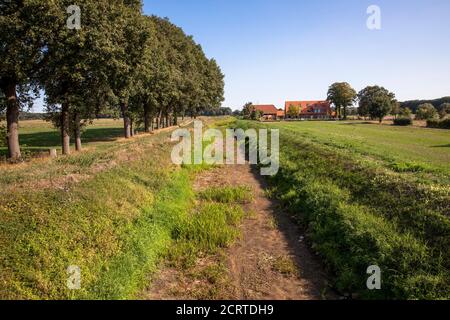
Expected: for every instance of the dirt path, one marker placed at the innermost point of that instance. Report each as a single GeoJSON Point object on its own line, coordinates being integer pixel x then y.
{"type": "Point", "coordinates": [270, 261]}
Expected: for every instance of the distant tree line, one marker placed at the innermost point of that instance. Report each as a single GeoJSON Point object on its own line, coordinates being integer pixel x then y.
{"type": "Point", "coordinates": [413, 105]}
{"type": "Point", "coordinates": [117, 61]}
{"type": "Point", "coordinates": [376, 102]}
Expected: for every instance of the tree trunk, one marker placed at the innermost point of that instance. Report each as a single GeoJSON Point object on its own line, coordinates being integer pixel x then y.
{"type": "Point", "coordinates": [77, 132]}
{"type": "Point", "coordinates": [159, 120]}
{"type": "Point", "coordinates": [175, 118]}
{"type": "Point", "coordinates": [345, 113]}
{"type": "Point", "coordinates": [65, 124]}
{"type": "Point", "coordinates": [126, 121]}
{"type": "Point", "coordinates": [12, 121]}
{"type": "Point", "coordinates": [147, 123]}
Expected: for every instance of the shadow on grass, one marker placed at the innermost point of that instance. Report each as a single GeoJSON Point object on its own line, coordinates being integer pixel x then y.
{"type": "Point", "coordinates": [53, 139]}
{"type": "Point", "coordinates": [442, 146]}
{"type": "Point", "coordinates": [40, 142]}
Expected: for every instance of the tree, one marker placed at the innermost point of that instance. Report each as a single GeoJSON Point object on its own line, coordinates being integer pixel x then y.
{"type": "Point", "coordinates": [25, 27]}
{"type": "Point", "coordinates": [256, 114]}
{"type": "Point", "coordinates": [444, 110]}
{"type": "Point", "coordinates": [247, 110]}
{"type": "Point", "coordinates": [293, 111]}
{"type": "Point", "coordinates": [75, 79]}
{"type": "Point", "coordinates": [405, 112]}
{"type": "Point", "coordinates": [342, 95]}
{"type": "Point", "coordinates": [363, 110]}
{"type": "Point", "coordinates": [377, 101]}
{"type": "Point", "coordinates": [396, 109]}
{"type": "Point", "coordinates": [426, 111]}
{"type": "Point", "coordinates": [128, 50]}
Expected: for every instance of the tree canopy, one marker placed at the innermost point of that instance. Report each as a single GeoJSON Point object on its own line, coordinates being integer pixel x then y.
{"type": "Point", "coordinates": [376, 101]}
{"type": "Point", "coordinates": [342, 95]}
{"type": "Point", "coordinates": [426, 111]}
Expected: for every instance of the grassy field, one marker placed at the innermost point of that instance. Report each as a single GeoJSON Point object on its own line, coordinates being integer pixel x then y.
{"type": "Point", "coordinates": [39, 136]}
{"type": "Point", "coordinates": [370, 195]}
{"type": "Point", "coordinates": [412, 149]}
{"type": "Point", "coordinates": [367, 194]}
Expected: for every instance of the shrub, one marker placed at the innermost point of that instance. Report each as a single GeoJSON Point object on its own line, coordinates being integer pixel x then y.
{"type": "Point", "coordinates": [439, 124]}
{"type": "Point", "coordinates": [403, 121]}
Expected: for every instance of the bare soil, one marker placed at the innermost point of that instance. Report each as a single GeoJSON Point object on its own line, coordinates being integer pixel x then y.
{"type": "Point", "coordinates": [271, 261]}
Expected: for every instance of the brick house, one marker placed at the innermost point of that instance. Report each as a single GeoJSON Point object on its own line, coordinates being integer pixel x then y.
{"type": "Point", "coordinates": [270, 112]}
{"type": "Point", "coordinates": [310, 109]}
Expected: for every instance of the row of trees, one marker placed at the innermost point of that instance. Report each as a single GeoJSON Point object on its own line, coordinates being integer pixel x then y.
{"type": "Point", "coordinates": [377, 102]}
{"type": "Point", "coordinates": [143, 68]}
{"type": "Point", "coordinates": [374, 101]}
{"type": "Point", "coordinates": [414, 105]}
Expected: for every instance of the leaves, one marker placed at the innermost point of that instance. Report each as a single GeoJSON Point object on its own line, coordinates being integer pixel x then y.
{"type": "Point", "coordinates": [342, 95]}
{"type": "Point", "coordinates": [376, 102]}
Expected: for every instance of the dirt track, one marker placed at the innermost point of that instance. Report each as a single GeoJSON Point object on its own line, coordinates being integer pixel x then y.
{"type": "Point", "coordinates": [270, 261]}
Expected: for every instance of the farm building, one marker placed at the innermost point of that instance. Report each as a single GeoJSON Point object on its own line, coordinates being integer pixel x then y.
{"type": "Point", "coordinates": [309, 109]}
{"type": "Point", "coordinates": [270, 112]}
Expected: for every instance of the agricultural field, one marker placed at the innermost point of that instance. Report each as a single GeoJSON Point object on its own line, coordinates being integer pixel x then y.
{"type": "Point", "coordinates": [370, 194]}
{"type": "Point", "coordinates": [410, 149]}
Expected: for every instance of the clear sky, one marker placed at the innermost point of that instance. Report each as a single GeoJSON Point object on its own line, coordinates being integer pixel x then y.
{"type": "Point", "coordinates": [277, 50]}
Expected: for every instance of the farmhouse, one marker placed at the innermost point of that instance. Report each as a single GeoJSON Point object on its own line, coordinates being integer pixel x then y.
{"type": "Point", "coordinates": [309, 109]}
{"type": "Point", "coordinates": [270, 112]}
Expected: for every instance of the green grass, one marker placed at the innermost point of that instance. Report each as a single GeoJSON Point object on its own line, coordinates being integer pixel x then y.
{"type": "Point", "coordinates": [360, 211]}
{"type": "Point", "coordinates": [39, 136]}
{"type": "Point", "coordinates": [414, 148]}
{"type": "Point", "coordinates": [115, 227]}
{"type": "Point", "coordinates": [240, 194]}
{"type": "Point", "coordinates": [118, 225]}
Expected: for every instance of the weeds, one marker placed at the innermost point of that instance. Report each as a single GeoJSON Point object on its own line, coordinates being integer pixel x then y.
{"type": "Point", "coordinates": [240, 194]}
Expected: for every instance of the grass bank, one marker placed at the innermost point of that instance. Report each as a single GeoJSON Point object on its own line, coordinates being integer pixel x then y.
{"type": "Point", "coordinates": [360, 212]}
{"type": "Point", "coordinates": [129, 210]}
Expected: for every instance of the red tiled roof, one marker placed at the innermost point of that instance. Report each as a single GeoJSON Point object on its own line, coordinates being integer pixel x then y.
{"type": "Point", "coordinates": [304, 105]}
{"type": "Point", "coordinates": [266, 109]}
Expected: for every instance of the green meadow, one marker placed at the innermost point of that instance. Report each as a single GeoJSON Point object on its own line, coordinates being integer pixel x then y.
{"type": "Point", "coordinates": [370, 194]}
{"type": "Point", "coordinates": [400, 148]}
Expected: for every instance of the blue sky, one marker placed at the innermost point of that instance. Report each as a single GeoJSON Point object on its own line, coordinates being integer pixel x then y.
{"type": "Point", "coordinates": [277, 50]}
